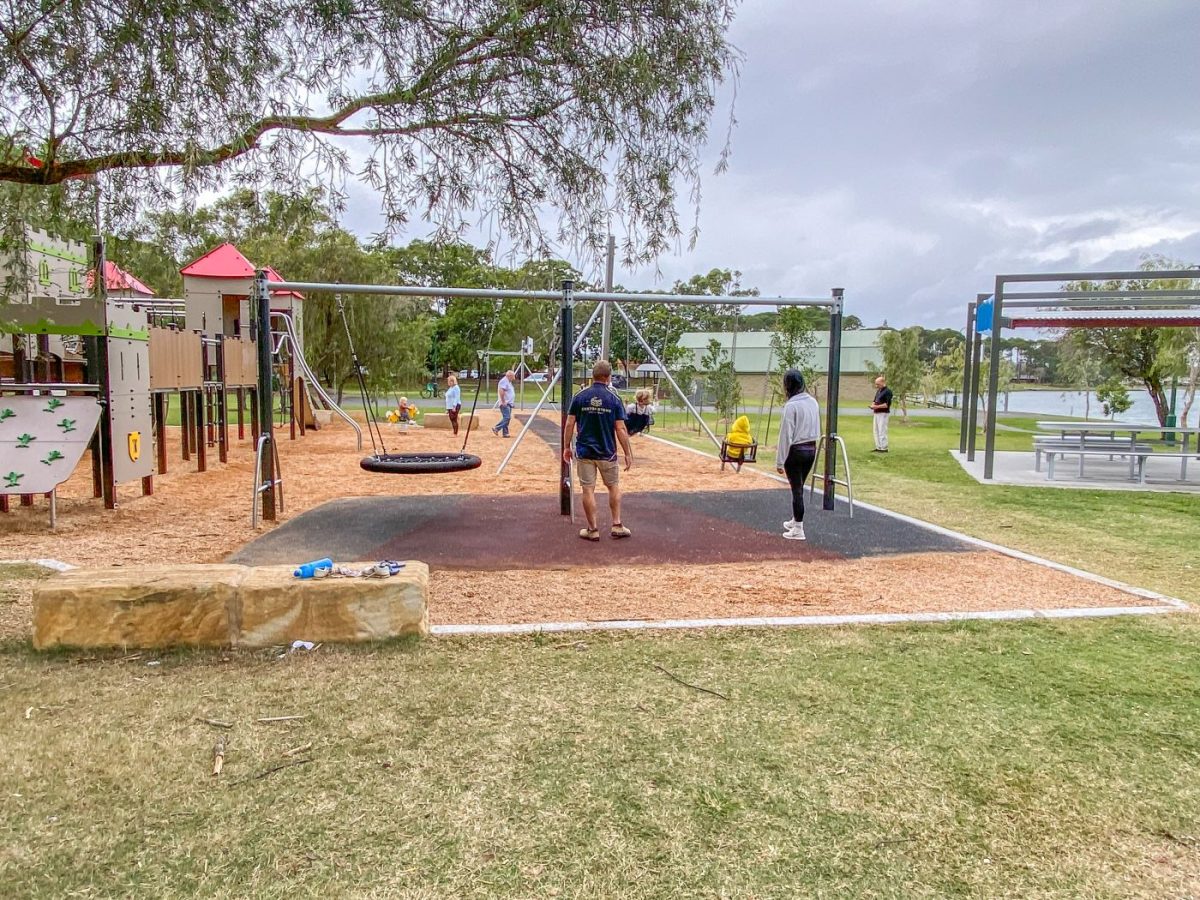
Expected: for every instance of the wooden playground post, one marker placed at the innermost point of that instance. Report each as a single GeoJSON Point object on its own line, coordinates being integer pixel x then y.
{"type": "Point", "coordinates": [185, 428]}
{"type": "Point", "coordinates": [160, 430]}
{"type": "Point", "coordinates": [201, 443]}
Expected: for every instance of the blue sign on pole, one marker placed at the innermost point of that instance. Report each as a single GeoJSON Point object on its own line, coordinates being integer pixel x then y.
{"type": "Point", "coordinates": [983, 316]}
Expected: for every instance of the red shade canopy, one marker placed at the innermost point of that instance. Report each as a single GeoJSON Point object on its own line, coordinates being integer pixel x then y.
{"type": "Point", "coordinates": [1105, 318]}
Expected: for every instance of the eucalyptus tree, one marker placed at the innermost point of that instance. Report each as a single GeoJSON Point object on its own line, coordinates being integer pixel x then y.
{"type": "Point", "coordinates": [498, 110]}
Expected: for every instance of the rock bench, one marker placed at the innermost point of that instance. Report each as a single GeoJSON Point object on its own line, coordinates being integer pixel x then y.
{"type": "Point", "coordinates": [224, 606]}
{"type": "Point", "coordinates": [441, 420]}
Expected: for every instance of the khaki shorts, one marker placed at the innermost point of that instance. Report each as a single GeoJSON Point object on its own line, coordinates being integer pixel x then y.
{"type": "Point", "coordinates": [610, 471]}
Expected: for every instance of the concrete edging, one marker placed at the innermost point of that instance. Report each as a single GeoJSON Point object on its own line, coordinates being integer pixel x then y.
{"type": "Point", "coordinates": [1173, 602]}
{"type": "Point", "coordinates": [1100, 612]}
{"type": "Point", "coordinates": [1169, 604]}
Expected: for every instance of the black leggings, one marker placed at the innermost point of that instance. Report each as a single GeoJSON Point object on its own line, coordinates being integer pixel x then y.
{"type": "Point", "coordinates": [798, 464]}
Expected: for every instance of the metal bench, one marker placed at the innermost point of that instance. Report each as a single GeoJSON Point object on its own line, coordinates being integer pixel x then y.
{"type": "Point", "coordinates": [1137, 458]}
{"type": "Point", "coordinates": [1111, 447]}
{"type": "Point", "coordinates": [1183, 457]}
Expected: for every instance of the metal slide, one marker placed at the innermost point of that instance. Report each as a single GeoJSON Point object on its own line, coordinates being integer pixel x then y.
{"type": "Point", "coordinates": [310, 379]}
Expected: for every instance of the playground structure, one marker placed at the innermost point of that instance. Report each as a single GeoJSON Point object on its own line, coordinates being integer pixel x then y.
{"type": "Point", "coordinates": [112, 345]}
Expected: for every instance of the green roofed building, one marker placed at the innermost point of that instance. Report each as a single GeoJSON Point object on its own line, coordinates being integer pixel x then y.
{"type": "Point", "coordinates": [754, 360]}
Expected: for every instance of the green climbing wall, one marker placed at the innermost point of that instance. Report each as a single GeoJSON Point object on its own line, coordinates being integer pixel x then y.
{"type": "Point", "coordinates": [42, 439]}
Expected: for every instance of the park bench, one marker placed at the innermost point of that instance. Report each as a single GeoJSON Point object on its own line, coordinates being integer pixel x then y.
{"type": "Point", "coordinates": [1137, 457]}
{"type": "Point", "coordinates": [1173, 454]}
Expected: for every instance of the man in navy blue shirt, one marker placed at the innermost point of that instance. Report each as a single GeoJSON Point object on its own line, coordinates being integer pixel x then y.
{"type": "Point", "coordinates": [600, 416]}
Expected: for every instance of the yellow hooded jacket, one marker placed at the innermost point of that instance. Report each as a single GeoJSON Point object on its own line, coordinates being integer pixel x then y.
{"type": "Point", "coordinates": [738, 437]}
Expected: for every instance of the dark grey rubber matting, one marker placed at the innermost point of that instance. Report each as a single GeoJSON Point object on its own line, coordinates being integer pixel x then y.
{"type": "Point", "coordinates": [526, 531]}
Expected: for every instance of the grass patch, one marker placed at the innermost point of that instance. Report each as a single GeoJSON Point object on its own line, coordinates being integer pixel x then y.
{"type": "Point", "coordinates": [1140, 537]}
{"type": "Point", "coordinates": [966, 760]}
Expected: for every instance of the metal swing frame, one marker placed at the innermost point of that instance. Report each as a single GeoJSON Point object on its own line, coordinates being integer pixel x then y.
{"type": "Point", "coordinates": [567, 298]}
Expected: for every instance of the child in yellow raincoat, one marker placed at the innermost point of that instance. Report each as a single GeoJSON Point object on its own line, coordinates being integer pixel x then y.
{"type": "Point", "coordinates": [738, 441]}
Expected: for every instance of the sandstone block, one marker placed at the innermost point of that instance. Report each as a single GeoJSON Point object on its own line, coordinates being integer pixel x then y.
{"type": "Point", "coordinates": [137, 606]}
{"type": "Point", "coordinates": [277, 608]}
{"type": "Point", "coordinates": [441, 420]}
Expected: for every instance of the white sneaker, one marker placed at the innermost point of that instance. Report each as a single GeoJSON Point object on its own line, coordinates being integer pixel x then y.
{"type": "Point", "coordinates": [795, 534]}
{"type": "Point", "coordinates": [789, 524]}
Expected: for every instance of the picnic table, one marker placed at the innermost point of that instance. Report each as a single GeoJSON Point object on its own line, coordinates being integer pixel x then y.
{"type": "Point", "coordinates": [1123, 436]}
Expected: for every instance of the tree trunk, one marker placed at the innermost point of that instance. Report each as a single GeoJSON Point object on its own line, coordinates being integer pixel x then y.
{"type": "Point", "coordinates": [1159, 396]}
{"type": "Point", "coordinates": [1189, 394]}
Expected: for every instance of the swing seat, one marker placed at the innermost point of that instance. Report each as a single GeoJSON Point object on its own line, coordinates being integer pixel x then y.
{"type": "Point", "coordinates": [420, 463]}
{"type": "Point", "coordinates": [636, 423]}
{"type": "Point", "coordinates": [737, 454]}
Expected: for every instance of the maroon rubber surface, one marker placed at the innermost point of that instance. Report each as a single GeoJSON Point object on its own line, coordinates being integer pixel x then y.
{"type": "Point", "coordinates": [526, 532]}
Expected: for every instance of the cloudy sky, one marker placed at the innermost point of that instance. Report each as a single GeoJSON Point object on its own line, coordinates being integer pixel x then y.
{"type": "Point", "coordinates": [910, 150]}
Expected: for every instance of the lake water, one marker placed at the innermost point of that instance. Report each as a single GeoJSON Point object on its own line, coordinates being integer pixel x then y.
{"type": "Point", "coordinates": [1072, 405]}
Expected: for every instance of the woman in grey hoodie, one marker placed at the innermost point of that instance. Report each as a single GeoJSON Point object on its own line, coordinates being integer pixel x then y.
{"type": "Point", "coordinates": [799, 431]}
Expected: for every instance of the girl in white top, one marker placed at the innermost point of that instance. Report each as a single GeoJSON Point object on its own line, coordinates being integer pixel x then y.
{"type": "Point", "coordinates": [799, 431]}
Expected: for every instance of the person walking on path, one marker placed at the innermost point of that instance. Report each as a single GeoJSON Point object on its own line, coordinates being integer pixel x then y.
{"type": "Point", "coordinates": [600, 416]}
{"type": "Point", "coordinates": [799, 431]}
{"type": "Point", "coordinates": [881, 407]}
{"type": "Point", "coordinates": [506, 396]}
{"type": "Point", "coordinates": [453, 401]}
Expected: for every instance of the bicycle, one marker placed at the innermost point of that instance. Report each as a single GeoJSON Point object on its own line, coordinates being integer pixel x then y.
{"type": "Point", "coordinates": [430, 390]}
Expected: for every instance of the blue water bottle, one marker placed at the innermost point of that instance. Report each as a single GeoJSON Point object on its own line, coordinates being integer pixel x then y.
{"type": "Point", "coordinates": [309, 569]}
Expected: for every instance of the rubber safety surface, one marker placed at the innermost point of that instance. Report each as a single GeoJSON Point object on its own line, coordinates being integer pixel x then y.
{"type": "Point", "coordinates": [527, 532]}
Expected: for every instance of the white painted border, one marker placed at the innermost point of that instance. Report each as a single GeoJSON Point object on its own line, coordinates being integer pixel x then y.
{"type": "Point", "coordinates": [1173, 602]}
{"type": "Point", "coordinates": [1008, 615]}
{"type": "Point", "coordinates": [53, 564]}
{"type": "Point", "coordinates": [1170, 604]}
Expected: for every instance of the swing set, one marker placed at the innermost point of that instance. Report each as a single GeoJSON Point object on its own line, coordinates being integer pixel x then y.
{"type": "Point", "coordinates": [383, 461]}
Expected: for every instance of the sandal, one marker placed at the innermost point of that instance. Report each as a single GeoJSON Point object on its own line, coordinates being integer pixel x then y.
{"type": "Point", "coordinates": [590, 534]}
{"type": "Point", "coordinates": [620, 531]}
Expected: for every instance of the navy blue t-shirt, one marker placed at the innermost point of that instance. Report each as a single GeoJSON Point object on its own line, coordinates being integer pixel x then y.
{"type": "Point", "coordinates": [597, 410]}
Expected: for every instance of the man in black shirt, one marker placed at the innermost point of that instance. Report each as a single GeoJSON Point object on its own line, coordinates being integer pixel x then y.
{"type": "Point", "coordinates": [881, 408]}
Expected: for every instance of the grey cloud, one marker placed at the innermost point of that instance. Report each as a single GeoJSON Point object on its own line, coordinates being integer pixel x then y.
{"type": "Point", "coordinates": [909, 150]}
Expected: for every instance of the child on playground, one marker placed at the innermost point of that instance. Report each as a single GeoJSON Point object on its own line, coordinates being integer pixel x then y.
{"type": "Point", "coordinates": [640, 413]}
{"type": "Point", "coordinates": [738, 439]}
{"type": "Point", "coordinates": [404, 414]}
{"type": "Point", "coordinates": [641, 404]}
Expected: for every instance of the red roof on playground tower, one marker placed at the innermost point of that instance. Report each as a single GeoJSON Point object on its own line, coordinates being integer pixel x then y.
{"type": "Point", "coordinates": [227, 261]}
{"type": "Point", "coordinates": [117, 279]}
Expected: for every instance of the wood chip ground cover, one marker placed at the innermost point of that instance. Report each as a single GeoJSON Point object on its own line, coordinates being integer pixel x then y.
{"type": "Point", "coordinates": [203, 517]}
